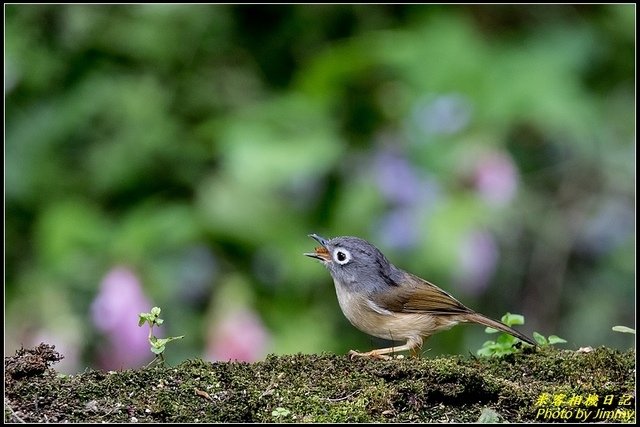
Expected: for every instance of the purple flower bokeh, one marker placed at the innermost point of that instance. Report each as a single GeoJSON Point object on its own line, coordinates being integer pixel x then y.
{"type": "Point", "coordinates": [396, 178]}
{"type": "Point", "coordinates": [240, 336]}
{"type": "Point", "coordinates": [609, 226]}
{"type": "Point", "coordinates": [408, 193]}
{"type": "Point", "coordinates": [495, 178]}
{"type": "Point", "coordinates": [397, 228]}
{"type": "Point", "coordinates": [114, 312]}
{"type": "Point", "coordinates": [477, 259]}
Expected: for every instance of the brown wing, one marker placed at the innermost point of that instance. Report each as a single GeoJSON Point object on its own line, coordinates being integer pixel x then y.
{"type": "Point", "coordinates": [416, 295]}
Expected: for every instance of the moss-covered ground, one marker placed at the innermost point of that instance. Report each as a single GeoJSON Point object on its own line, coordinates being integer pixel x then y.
{"type": "Point", "coordinates": [536, 385]}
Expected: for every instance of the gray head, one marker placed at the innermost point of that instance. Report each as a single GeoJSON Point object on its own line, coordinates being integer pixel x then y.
{"type": "Point", "coordinates": [355, 263]}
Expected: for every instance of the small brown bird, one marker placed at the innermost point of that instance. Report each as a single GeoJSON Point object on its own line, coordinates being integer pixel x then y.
{"type": "Point", "coordinates": [384, 301]}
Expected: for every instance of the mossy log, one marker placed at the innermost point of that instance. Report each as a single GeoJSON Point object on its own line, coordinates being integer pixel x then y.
{"type": "Point", "coordinates": [535, 385]}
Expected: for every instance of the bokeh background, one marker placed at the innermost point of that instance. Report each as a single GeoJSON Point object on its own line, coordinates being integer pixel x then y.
{"type": "Point", "coordinates": [178, 156]}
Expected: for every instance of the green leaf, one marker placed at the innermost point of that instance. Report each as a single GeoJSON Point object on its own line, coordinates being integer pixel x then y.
{"type": "Point", "coordinates": [504, 351]}
{"type": "Point", "coordinates": [487, 416]}
{"type": "Point", "coordinates": [161, 342]}
{"type": "Point", "coordinates": [280, 412]}
{"type": "Point", "coordinates": [540, 339]}
{"type": "Point", "coordinates": [157, 350]}
{"type": "Point", "coordinates": [484, 351]}
{"type": "Point", "coordinates": [624, 329]}
{"type": "Point", "coordinates": [489, 348]}
{"type": "Point", "coordinates": [164, 341]}
{"type": "Point", "coordinates": [490, 330]}
{"type": "Point", "coordinates": [159, 321]}
{"type": "Point", "coordinates": [554, 339]}
{"type": "Point", "coordinates": [142, 319]}
{"type": "Point", "coordinates": [155, 311]}
{"type": "Point", "coordinates": [513, 319]}
{"type": "Point", "coordinates": [506, 340]}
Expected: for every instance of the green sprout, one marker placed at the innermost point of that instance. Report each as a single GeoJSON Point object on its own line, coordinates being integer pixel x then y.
{"type": "Point", "coordinates": [280, 412]}
{"type": "Point", "coordinates": [504, 344]}
{"type": "Point", "coordinates": [157, 344]}
{"type": "Point", "coordinates": [553, 339]}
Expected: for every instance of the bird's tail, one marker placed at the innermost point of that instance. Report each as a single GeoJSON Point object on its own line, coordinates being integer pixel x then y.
{"type": "Point", "coordinates": [486, 321]}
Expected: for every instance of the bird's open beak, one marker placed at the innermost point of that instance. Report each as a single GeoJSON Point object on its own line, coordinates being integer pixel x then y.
{"type": "Point", "coordinates": [321, 252]}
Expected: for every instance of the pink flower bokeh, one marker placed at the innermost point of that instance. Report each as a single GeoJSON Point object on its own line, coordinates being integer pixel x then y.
{"type": "Point", "coordinates": [478, 258]}
{"type": "Point", "coordinates": [240, 336]}
{"type": "Point", "coordinates": [114, 312]}
{"type": "Point", "coordinates": [495, 178]}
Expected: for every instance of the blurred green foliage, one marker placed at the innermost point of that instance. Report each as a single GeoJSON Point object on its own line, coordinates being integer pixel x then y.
{"type": "Point", "coordinates": [489, 149]}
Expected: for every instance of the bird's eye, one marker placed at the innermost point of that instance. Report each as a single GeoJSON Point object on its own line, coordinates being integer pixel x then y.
{"type": "Point", "coordinates": [341, 255]}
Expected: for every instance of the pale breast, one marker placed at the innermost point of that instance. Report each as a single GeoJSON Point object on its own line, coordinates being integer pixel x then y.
{"type": "Point", "coordinates": [377, 321]}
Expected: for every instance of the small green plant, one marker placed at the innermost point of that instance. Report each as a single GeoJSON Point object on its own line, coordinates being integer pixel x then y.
{"type": "Point", "coordinates": [157, 344]}
{"type": "Point", "coordinates": [280, 412]}
{"type": "Point", "coordinates": [553, 339]}
{"type": "Point", "coordinates": [488, 416]}
{"type": "Point", "coordinates": [504, 344]}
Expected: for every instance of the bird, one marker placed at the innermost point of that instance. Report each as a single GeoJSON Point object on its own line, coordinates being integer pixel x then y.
{"type": "Point", "coordinates": [385, 301]}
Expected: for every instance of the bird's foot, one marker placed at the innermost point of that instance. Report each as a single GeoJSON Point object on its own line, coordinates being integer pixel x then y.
{"type": "Point", "coordinates": [372, 354]}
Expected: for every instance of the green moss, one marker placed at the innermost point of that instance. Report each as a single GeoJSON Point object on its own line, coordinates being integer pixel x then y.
{"type": "Point", "coordinates": [325, 388]}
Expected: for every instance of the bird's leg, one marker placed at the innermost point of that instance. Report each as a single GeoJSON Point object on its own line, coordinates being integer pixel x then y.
{"type": "Point", "coordinates": [415, 352]}
{"type": "Point", "coordinates": [413, 344]}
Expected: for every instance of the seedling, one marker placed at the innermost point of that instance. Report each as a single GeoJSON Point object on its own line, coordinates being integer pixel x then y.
{"type": "Point", "coordinates": [280, 412]}
{"type": "Point", "coordinates": [553, 339]}
{"type": "Point", "coordinates": [157, 344]}
{"type": "Point", "coordinates": [504, 344]}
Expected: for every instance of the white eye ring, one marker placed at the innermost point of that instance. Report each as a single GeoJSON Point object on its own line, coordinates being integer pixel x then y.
{"type": "Point", "coordinates": [341, 256]}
